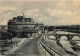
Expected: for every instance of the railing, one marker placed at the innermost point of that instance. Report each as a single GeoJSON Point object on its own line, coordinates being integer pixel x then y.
{"type": "Point", "coordinates": [49, 49]}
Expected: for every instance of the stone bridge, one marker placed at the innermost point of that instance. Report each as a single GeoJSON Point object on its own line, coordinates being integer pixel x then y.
{"type": "Point", "coordinates": [58, 36]}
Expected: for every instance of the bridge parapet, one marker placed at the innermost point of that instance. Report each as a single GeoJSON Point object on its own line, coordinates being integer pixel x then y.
{"type": "Point", "coordinates": [58, 36]}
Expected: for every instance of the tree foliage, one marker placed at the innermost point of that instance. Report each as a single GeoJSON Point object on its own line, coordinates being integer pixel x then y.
{"type": "Point", "coordinates": [6, 35]}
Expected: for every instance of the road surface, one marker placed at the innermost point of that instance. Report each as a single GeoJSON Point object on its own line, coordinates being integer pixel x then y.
{"type": "Point", "coordinates": [31, 48]}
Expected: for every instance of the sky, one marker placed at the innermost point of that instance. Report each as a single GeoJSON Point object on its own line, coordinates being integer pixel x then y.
{"type": "Point", "coordinates": [56, 12]}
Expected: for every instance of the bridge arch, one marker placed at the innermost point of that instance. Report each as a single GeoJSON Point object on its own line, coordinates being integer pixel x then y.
{"type": "Point", "coordinates": [52, 37]}
{"type": "Point", "coordinates": [63, 37]}
{"type": "Point", "coordinates": [76, 38]}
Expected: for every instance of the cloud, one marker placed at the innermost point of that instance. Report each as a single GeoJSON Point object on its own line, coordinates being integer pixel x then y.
{"type": "Point", "coordinates": [6, 8]}
{"type": "Point", "coordinates": [6, 13]}
{"type": "Point", "coordinates": [55, 12]}
{"type": "Point", "coordinates": [49, 12]}
{"type": "Point", "coordinates": [32, 12]}
{"type": "Point", "coordinates": [60, 12]}
{"type": "Point", "coordinates": [50, 15]}
{"type": "Point", "coordinates": [65, 16]}
{"type": "Point", "coordinates": [37, 15]}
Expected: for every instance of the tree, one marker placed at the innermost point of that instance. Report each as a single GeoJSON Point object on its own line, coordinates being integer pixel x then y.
{"type": "Point", "coordinates": [6, 36]}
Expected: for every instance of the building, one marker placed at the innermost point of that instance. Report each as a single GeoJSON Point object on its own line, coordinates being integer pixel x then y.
{"type": "Point", "coordinates": [23, 27]}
